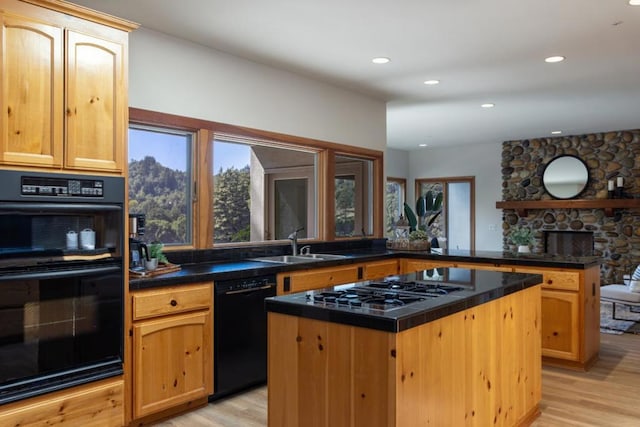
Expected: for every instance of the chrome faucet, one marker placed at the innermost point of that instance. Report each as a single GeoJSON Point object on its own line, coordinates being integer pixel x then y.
{"type": "Point", "coordinates": [305, 250]}
{"type": "Point", "coordinates": [294, 241]}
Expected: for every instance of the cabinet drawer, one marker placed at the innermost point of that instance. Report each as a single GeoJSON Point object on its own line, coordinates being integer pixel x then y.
{"type": "Point", "coordinates": [412, 265]}
{"type": "Point", "coordinates": [380, 269]}
{"type": "Point", "coordinates": [561, 280]}
{"type": "Point", "coordinates": [564, 280]}
{"type": "Point", "coordinates": [317, 279]}
{"type": "Point", "coordinates": [164, 301]}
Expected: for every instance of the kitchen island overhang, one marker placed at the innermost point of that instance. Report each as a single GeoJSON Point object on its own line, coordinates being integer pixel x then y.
{"type": "Point", "coordinates": [479, 363]}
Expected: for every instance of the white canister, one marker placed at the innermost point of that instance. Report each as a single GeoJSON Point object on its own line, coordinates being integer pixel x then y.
{"type": "Point", "coordinates": [72, 240]}
{"type": "Point", "coordinates": [88, 239]}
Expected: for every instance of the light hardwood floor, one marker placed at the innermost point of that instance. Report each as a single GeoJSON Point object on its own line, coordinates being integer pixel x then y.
{"type": "Point", "coordinates": [607, 395]}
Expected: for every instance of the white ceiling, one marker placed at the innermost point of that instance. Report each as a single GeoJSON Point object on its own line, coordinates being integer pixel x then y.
{"type": "Point", "coordinates": [480, 50]}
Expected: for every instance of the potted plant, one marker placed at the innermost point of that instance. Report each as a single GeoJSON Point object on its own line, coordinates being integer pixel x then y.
{"type": "Point", "coordinates": [522, 237]}
{"type": "Point", "coordinates": [155, 256]}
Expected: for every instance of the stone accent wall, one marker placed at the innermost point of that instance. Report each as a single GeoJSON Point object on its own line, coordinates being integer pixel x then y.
{"type": "Point", "coordinates": [607, 155]}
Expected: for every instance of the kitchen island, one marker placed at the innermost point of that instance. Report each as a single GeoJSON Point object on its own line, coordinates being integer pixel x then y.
{"type": "Point", "coordinates": [470, 356]}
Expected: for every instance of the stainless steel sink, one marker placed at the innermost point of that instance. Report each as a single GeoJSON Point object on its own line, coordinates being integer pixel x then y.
{"type": "Point", "coordinates": [293, 259]}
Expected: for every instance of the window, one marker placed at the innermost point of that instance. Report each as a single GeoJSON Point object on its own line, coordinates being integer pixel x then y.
{"type": "Point", "coordinates": [456, 221]}
{"type": "Point", "coordinates": [262, 191]}
{"type": "Point", "coordinates": [395, 195]}
{"type": "Point", "coordinates": [160, 179]}
{"type": "Point", "coordinates": [353, 197]}
{"type": "Point", "coordinates": [203, 184]}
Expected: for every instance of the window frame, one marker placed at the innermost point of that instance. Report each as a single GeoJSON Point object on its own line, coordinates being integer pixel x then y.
{"type": "Point", "coordinates": [207, 131]}
{"type": "Point", "coordinates": [402, 182]}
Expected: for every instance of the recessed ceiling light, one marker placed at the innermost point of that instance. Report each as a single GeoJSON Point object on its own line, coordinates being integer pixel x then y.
{"type": "Point", "coordinates": [553, 59]}
{"type": "Point", "coordinates": [380, 60]}
{"type": "Point", "coordinates": [556, 132]}
{"type": "Point", "coordinates": [488, 105]}
{"type": "Point", "coordinates": [634, 2]}
{"type": "Point", "coordinates": [431, 82]}
{"type": "Point", "coordinates": [422, 145]}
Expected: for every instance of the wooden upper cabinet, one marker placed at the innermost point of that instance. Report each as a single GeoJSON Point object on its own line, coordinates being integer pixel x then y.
{"type": "Point", "coordinates": [31, 93]}
{"type": "Point", "coordinates": [64, 87]}
{"type": "Point", "coordinates": [95, 104]}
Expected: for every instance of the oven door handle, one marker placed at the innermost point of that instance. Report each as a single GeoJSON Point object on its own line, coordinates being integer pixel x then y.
{"type": "Point", "coordinates": [249, 290]}
{"type": "Point", "coordinates": [39, 275]}
{"type": "Point", "coordinates": [59, 207]}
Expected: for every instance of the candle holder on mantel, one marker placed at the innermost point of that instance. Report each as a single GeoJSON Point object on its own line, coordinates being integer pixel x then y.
{"type": "Point", "coordinates": [618, 191]}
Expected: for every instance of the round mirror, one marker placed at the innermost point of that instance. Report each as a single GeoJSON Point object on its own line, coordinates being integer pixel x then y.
{"type": "Point", "coordinates": [565, 177]}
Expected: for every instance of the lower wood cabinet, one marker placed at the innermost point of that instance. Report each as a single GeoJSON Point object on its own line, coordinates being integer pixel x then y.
{"type": "Point", "coordinates": [560, 323]}
{"type": "Point", "coordinates": [172, 347]}
{"type": "Point", "coordinates": [99, 404]}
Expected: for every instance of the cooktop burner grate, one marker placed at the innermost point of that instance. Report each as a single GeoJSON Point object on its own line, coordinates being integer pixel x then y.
{"type": "Point", "coordinates": [364, 297]}
{"type": "Point", "coordinates": [433, 289]}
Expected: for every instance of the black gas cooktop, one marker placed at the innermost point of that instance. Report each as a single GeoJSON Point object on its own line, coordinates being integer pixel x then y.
{"type": "Point", "coordinates": [380, 295]}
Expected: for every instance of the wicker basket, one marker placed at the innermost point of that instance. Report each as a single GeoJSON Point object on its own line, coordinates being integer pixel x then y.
{"type": "Point", "coordinates": [409, 245]}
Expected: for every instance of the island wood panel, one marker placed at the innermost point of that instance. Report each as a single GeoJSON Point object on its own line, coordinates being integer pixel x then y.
{"type": "Point", "coordinates": [99, 404]}
{"type": "Point", "coordinates": [328, 374]}
{"type": "Point", "coordinates": [478, 367]}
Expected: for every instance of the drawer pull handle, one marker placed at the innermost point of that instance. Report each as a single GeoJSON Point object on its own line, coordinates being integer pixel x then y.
{"type": "Point", "coordinates": [549, 282]}
{"type": "Point", "coordinates": [173, 303]}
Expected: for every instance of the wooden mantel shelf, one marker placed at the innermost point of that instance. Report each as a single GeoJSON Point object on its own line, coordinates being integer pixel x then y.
{"type": "Point", "coordinates": [522, 206]}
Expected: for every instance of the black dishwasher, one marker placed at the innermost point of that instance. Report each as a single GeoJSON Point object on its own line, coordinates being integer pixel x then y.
{"type": "Point", "coordinates": [240, 334]}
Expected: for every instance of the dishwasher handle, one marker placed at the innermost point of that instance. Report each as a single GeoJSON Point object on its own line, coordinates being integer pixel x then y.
{"type": "Point", "coordinates": [248, 290]}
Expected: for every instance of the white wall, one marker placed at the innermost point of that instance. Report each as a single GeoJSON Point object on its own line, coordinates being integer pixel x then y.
{"type": "Point", "coordinates": [481, 161]}
{"type": "Point", "coordinates": [175, 76]}
{"type": "Point", "coordinates": [396, 164]}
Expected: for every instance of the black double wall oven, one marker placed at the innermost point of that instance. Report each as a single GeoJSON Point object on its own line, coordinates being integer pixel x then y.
{"type": "Point", "coordinates": [61, 281]}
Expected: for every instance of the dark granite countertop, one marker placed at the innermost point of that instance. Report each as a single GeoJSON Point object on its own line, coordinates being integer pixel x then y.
{"type": "Point", "coordinates": [480, 286]}
{"type": "Point", "coordinates": [241, 268]}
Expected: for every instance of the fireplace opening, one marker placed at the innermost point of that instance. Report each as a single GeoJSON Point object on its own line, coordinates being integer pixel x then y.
{"type": "Point", "coordinates": [568, 243]}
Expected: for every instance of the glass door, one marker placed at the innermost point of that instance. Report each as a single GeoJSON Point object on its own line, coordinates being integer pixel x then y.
{"type": "Point", "coordinates": [455, 222]}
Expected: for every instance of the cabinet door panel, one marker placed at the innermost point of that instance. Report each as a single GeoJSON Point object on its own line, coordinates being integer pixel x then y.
{"type": "Point", "coordinates": [560, 318]}
{"type": "Point", "coordinates": [172, 361]}
{"type": "Point", "coordinates": [95, 103]}
{"type": "Point", "coordinates": [32, 93]}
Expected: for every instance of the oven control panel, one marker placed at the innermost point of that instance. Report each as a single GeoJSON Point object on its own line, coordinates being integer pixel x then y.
{"type": "Point", "coordinates": [62, 187]}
